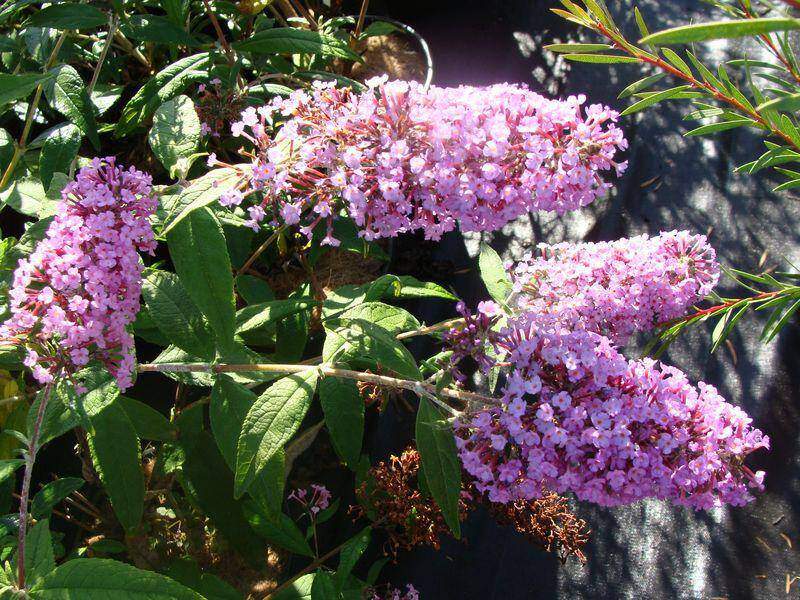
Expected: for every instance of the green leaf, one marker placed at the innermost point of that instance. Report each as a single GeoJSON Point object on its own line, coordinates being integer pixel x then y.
{"type": "Point", "coordinates": [601, 58]}
{"type": "Point", "coordinates": [494, 274]}
{"type": "Point", "coordinates": [230, 403]}
{"type": "Point", "coordinates": [39, 559]}
{"type": "Point", "coordinates": [391, 318]}
{"type": "Point", "coordinates": [175, 135]}
{"type": "Point", "coordinates": [577, 48]}
{"type": "Point", "coordinates": [258, 316]}
{"type": "Point", "coordinates": [790, 103]}
{"type": "Point", "coordinates": [281, 531]}
{"type": "Point", "coordinates": [717, 127]}
{"type": "Point", "coordinates": [349, 555]}
{"type": "Point", "coordinates": [163, 86]}
{"type": "Point", "coordinates": [270, 423]}
{"type": "Point", "coordinates": [67, 16]}
{"type": "Point", "coordinates": [201, 192]}
{"type": "Point", "coordinates": [324, 587]}
{"type": "Point", "coordinates": [774, 326]}
{"type": "Point", "coordinates": [253, 289]}
{"type": "Point", "coordinates": [653, 99]}
{"type": "Point", "coordinates": [154, 28]}
{"type": "Point", "coordinates": [701, 32]}
{"type": "Point", "coordinates": [185, 571]}
{"type": "Point", "coordinates": [344, 417]}
{"type": "Point", "coordinates": [15, 87]}
{"type": "Point", "coordinates": [209, 481]}
{"type": "Point", "coordinates": [53, 493]}
{"type": "Point", "coordinates": [677, 61]}
{"type": "Point", "coordinates": [114, 449]}
{"type": "Point", "coordinates": [67, 94]}
{"type": "Point", "coordinates": [640, 85]}
{"type": "Point", "coordinates": [200, 255]}
{"type": "Point", "coordinates": [289, 40]}
{"type": "Point", "coordinates": [176, 315]}
{"type": "Point", "coordinates": [59, 415]}
{"type": "Point", "coordinates": [147, 421]}
{"type": "Point", "coordinates": [361, 343]}
{"type": "Point", "coordinates": [103, 579]}
{"type": "Point", "coordinates": [378, 28]}
{"type": "Point", "coordinates": [59, 150]}
{"type": "Point", "coordinates": [439, 460]}
{"type": "Point", "coordinates": [9, 466]}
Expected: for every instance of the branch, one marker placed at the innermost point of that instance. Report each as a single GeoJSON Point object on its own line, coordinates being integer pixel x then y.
{"type": "Point", "coordinates": [418, 387]}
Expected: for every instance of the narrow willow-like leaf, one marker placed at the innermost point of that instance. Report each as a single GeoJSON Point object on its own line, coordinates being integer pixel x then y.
{"type": "Point", "coordinates": [717, 127]}
{"type": "Point", "coordinates": [601, 58]}
{"type": "Point", "coordinates": [654, 99]}
{"type": "Point", "coordinates": [641, 85]}
{"type": "Point", "coordinates": [677, 61]}
{"type": "Point", "coordinates": [701, 32]}
{"type": "Point", "coordinates": [790, 103]}
{"type": "Point", "coordinates": [577, 48]}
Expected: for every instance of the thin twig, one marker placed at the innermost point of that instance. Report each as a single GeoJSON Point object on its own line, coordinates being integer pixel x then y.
{"type": "Point", "coordinates": [260, 249]}
{"type": "Point", "coordinates": [418, 387]}
{"type": "Point", "coordinates": [220, 35]}
{"type": "Point", "coordinates": [362, 14]}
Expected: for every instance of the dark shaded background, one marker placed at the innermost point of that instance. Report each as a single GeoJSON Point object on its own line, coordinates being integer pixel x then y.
{"type": "Point", "coordinates": [650, 549]}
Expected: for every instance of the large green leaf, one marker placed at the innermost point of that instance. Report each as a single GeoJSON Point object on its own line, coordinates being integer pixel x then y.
{"type": "Point", "coordinates": [200, 255]}
{"type": "Point", "coordinates": [360, 343]}
{"type": "Point", "coordinates": [344, 417]}
{"type": "Point", "coordinates": [267, 314]}
{"type": "Point", "coordinates": [349, 555]}
{"type": "Point", "coordinates": [147, 421]}
{"type": "Point", "coordinates": [67, 15]}
{"type": "Point", "coordinates": [14, 87]}
{"type": "Point", "coordinates": [58, 151]}
{"type": "Point", "coordinates": [67, 94]}
{"type": "Point", "coordinates": [39, 559]}
{"type": "Point", "coordinates": [201, 192]}
{"type": "Point", "coordinates": [154, 28]}
{"type": "Point", "coordinates": [700, 32]}
{"type": "Point", "coordinates": [391, 318]}
{"type": "Point", "coordinates": [105, 579]}
{"type": "Point", "coordinates": [176, 315]}
{"type": "Point", "coordinates": [439, 461]}
{"type": "Point", "coordinates": [53, 493]}
{"type": "Point", "coordinates": [494, 274]}
{"type": "Point", "coordinates": [279, 530]}
{"type": "Point", "coordinates": [270, 423]}
{"type": "Point", "coordinates": [290, 40]}
{"type": "Point", "coordinates": [115, 453]}
{"type": "Point", "coordinates": [230, 403]}
{"type": "Point", "coordinates": [209, 481]}
{"type": "Point", "coordinates": [211, 587]}
{"type": "Point", "coordinates": [175, 135]}
{"type": "Point", "coordinates": [163, 86]}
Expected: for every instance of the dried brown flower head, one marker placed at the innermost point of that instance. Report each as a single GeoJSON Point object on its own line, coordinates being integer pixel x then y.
{"type": "Point", "coordinates": [408, 516]}
{"type": "Point", "coordinates": [548, 522]}
{"type": "Point", "coordinates": [391, 495]}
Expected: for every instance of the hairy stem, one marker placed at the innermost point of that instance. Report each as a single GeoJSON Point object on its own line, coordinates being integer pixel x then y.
{"type": "Point", "coordinates": [418, 387]}
{"type": "Point", "coordinates": [30, 459]}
